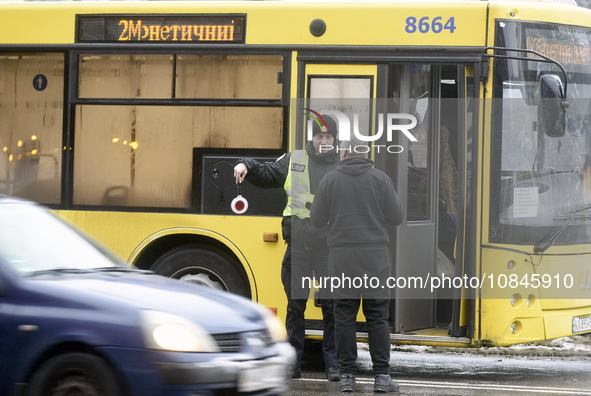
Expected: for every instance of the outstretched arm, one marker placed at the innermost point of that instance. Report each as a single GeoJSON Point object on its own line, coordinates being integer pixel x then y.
{"type": "Point", "coordinates": [240, 171]}
{"type": "Point", "coordinates": [264, 175]}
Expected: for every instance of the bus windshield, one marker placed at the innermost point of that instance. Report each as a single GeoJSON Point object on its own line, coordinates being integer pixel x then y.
{"type": "Point", "coordinates": [540, 182]}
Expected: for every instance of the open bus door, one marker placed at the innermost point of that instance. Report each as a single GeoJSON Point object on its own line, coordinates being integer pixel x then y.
{"type": "Point", "coordinates": [422, 247]}
{"type": "Point", "coordinates": [414, 171]}
{"type": "Point", "coordinates": [348, 88]}
{"type": "Point", "coordinates": [429, 176]}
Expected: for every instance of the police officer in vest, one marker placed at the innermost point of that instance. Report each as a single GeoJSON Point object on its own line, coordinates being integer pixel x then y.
{"type": "Point", "coordinates": [306, 256]}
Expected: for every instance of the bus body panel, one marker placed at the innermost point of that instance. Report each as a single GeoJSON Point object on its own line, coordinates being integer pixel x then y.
{"type": "Point", "coordinates": [275, 23]}
{"type": "Point", "coordinates": [536, 313]}
{"type": "Point", "coordinates": [508, 296]}
{"type": "Point", "coordinates": [136, 231]}
{"type": "Point", "coordinates": [505, 317]}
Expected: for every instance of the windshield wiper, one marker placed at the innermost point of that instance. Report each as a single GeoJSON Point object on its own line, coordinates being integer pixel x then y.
{"type": "Point", "coordinates": [548, 241]}
{"type": "Point", "coordinates": [59, 271]}
{"type": "Point", "coordinates": [581, 209]}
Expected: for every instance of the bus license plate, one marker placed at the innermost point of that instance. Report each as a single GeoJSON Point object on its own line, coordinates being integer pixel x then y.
{"type": "Point", "coordinates": [262, 377]}
{"type": "Point", "coordinates": [581, 323]}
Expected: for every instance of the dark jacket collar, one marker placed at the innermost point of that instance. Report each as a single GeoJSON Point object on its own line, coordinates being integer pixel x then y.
{"type": "Point", "coordinates": [330, 157]}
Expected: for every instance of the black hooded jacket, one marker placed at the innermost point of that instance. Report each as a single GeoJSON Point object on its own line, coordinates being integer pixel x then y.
{"type": "Point", "coordinates": [358, 202]}
{"type": "Point", "coordinates": [274, 174]}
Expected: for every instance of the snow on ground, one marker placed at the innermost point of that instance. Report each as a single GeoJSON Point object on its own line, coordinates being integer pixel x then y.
{"type": "Point", "coordinates": [577, 346]}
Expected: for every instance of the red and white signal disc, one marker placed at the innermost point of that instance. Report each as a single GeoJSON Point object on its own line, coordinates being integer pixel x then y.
{"type": "Point", "coordinates": [239, 205]}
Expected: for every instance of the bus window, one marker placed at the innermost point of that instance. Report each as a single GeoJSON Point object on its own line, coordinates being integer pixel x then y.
{"type": "Point", "coordinates": [244, 76]}
{"type": "Point", "coordinates": [418, 158]}
{"type": "Point", "coordinates": [150, 149]}
{"type": "Point", "coordinates": [125, 76]}
{"type": "Point", "coordinates": [150, 145]}
{"type": "Point", "coordinates": [340, 87]}
{"type": "Point", "coordinates": [348, 94]}
{"type": "Point", "coordinates": [31, 104]}
{"type": "Point", "coordinates": [197, 76]}
{"type": "Point", "coordinates": [538, 181]}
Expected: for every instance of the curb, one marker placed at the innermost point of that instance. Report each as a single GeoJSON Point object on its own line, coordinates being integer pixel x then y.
{"type": "Point", "coordinates": [575, 347]}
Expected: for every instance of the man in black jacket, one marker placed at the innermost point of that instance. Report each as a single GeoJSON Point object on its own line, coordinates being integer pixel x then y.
{"type": "Point", "coordinates": [358, 203]}
{"type": "Point", "coordinates": [299, 172]}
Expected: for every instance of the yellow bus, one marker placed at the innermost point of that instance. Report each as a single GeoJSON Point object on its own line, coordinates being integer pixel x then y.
{"type": "Point", "coordinates": [127, 119]}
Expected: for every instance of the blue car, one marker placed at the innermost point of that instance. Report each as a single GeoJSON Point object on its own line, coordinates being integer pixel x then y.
{"type": "Point", "coordinates": [74, 320]}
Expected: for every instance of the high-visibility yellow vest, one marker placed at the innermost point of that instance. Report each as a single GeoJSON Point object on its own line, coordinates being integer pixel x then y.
{"type": "Point", "coordinates": [297, 186]}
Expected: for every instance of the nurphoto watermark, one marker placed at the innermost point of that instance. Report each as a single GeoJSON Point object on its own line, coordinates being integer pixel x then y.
{"type": "Point", "coordinates": [346, 129]}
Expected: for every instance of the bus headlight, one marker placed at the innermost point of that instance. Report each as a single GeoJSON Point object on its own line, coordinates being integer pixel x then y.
{"type": "Point", "coordinates": [516, 300]}
{"type": "Point", "coordinates": [516, 327]}
{"type": "Point", "coordinates": [531, 301]}
{"type": "Point", "coordinates": [165, 331]}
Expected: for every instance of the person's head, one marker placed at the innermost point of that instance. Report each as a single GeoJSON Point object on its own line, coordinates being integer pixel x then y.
{"type": "Point", "coordinates": [324, 140]}
{"type": "Point", "coordinates": [354, 148]}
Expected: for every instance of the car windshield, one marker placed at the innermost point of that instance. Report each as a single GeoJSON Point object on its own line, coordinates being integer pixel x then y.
{"type": "Point", "coordinates": [32, 240]}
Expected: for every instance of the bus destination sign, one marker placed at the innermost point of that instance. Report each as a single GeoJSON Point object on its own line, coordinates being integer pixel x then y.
{"type": "Point", "coordinates": [172, 29]}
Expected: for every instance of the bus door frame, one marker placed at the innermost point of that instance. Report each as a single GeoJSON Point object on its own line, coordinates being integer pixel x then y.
{"type": "Point", "coordinates": [414, 307]}
{"type": "Point", "coordinates": [465, 317]}
{"type": "Point", "coordinates": [404, 308]}
{"type": "Point", "coordinates": [464, 313]}
{"type": "Point", "coordinates": [320, 69]}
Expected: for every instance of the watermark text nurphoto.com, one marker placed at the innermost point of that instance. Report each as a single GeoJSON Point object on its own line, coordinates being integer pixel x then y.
{"type": "Point", "coordinates": [501, 281]}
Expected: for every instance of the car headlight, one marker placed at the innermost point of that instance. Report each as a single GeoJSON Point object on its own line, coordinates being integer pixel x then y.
{"type": "Point", "coordinates": [274, 325]}
{"type": "Point", "coordinates": [165, 331]}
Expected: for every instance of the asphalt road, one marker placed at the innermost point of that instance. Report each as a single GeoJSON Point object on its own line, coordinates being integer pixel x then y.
{"type": "Point", "coordinates": [431, 371]}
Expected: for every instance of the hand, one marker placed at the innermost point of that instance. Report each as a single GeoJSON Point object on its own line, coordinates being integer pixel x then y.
{"type": "Point", "coordinates": [240, 172]}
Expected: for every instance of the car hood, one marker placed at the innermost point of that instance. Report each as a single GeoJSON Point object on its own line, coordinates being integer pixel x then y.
{"type": "Point", "coordinates": [216, 311]}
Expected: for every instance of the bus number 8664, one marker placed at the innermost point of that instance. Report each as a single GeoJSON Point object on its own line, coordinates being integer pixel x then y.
{"type": "Point", "coordinates": [423, 26]}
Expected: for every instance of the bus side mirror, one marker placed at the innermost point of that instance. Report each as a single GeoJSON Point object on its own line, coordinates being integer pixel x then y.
{"type": "Point", "coordinates": [553, 105]}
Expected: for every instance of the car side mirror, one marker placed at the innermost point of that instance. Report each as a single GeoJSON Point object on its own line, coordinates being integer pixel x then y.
{"type": "Point", "coordinates": [553, 105]}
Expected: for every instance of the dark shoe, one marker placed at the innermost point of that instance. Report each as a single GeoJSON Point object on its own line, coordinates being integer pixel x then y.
{"type": "Point", "coordinates": [385, 384]}
{"type": "Point", "coordinates": [296, 373]}
{"type": "Point", "coordinates": [347, 382]}
{"type": "Point", "coordinates": [333, 373]}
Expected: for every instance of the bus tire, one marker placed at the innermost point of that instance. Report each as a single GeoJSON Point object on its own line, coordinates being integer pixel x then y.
{"type": "Point", "coordinates": [81, 373]}
{"type": "Point", "coordinates": [203, 265]}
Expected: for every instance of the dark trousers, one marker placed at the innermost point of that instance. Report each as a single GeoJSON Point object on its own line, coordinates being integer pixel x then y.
{"type": "Point", "coordinates": [297, 263]}
{"type": "Point", "coordinates": [376, 316]}
{"type": "Point", "coordinates": [357, 262]}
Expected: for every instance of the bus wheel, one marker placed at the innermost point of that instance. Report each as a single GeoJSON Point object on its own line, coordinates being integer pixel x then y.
{"type": "Point", "coordinates": [203, 265]}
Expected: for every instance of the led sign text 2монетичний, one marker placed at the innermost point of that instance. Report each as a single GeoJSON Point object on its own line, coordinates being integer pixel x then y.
{"type": "Point", "coordinates": [148, 29]}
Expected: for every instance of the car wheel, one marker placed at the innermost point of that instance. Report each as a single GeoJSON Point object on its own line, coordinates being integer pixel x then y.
{"type": "Point", "coordinates": [203, 265]}
{"type": "Point", "coordinates": [74, 374]}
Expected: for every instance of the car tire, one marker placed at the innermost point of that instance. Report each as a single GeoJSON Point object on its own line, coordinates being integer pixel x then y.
{"type": "Point", "coordinates": [203, 265]}
{"type": "Point", "coordinates": [81, 373]}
